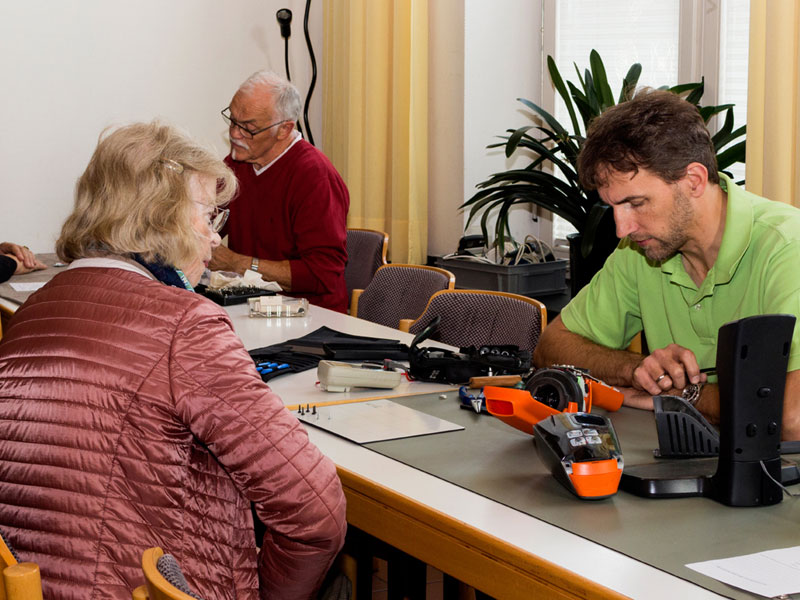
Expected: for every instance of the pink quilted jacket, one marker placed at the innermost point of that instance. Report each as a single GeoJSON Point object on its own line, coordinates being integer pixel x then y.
{"type": "Point", "coordinates": [131, 416]}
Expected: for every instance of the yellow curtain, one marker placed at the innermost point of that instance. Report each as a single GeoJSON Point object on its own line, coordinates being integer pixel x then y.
{"type": "Point", "coordinates": [375, 116]}
{"type": "Point", "coordinates": [773, 107]}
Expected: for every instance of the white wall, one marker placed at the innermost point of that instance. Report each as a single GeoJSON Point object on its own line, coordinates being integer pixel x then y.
{"type": "Point", "coordinates": [70, 69]}
{"type": "Point", "coordinates": [484, 55]}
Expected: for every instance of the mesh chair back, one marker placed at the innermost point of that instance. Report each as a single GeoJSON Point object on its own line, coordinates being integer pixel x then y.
{"type": "Point", "coordinates": [171, 570]}
{"type": "Point", "coordinates": [366, 251]}
{"type": "Point", "coordinates": [401, 292]}
{"type": "Point", "coordinates": [477, 317]}
{"type": "Point", "coordinates": [8, 555]}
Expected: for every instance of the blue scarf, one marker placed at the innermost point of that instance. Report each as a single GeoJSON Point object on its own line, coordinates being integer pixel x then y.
{"type": "Point", "coordinates": [165, 273]}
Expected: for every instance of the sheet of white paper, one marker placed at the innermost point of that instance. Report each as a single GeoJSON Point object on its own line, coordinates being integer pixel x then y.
{"type": "Point", "coordinates": [375, 421]}
{"type": "Point", "coordinates": [26, 286]}
{"type": "Point", "coordinates": [771, 573]}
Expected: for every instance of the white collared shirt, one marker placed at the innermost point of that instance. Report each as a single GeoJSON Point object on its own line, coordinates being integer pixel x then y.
{"type": "Point", "coordinates": [297, 138]}
{"type": "Point", "coordinates": [108, 262]}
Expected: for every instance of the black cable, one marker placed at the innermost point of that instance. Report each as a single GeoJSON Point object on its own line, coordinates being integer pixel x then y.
{"type": "Point", "coordinates": [313, 74]}
{"type": "Point", "coordinates": [286, 57]}
{"type": "Point", "coordinates": [284, 17]}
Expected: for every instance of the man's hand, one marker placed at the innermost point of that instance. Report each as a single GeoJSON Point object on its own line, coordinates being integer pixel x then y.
{"type": "Point", "coordinates": [636, 398]}
{"type": "Point", "coordinates": [26, 260]}
{"type": "Point", "coordinates": [673, 367]}
{"type": "Point", "coordinates": [559, 346]}
{"type": "Point", "coordinates": [225, 259]}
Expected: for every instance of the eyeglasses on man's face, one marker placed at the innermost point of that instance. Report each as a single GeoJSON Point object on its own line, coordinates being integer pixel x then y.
{"type": "Point", "coordinates": [248, 133]}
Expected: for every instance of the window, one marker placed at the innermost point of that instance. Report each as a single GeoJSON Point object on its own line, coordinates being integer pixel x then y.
{"type": "Point", "coordinates": [676, 41]}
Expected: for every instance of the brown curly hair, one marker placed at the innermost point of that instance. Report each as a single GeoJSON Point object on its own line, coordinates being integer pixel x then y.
{"type": "Point", "coordinates": [655, 130]}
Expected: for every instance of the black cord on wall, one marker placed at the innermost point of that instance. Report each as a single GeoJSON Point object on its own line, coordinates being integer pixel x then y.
{"type": "Point", "coordinates": [313, 73]}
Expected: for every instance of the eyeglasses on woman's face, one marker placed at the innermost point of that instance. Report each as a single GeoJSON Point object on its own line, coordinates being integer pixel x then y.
{"type": "Point", "coordinates": [217, 218]}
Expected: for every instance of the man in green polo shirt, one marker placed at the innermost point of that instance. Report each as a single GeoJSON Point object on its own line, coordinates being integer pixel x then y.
{"type": "Point", "coordinates": [697, 252]}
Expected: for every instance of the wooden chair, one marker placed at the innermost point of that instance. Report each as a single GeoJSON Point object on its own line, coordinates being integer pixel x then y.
{"type": "Point", "coordinates": [481, 317]}
{"type": "Point", "coordinates": [366, 251]}
{"type": "Point", "coordinates": [399, 292]}
{"type": "Point", "coordinates": [163, 577]}
{"type": "Point", "coordinates": [20, 580]}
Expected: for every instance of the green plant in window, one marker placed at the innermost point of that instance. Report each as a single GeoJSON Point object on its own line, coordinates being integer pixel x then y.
{"type": "Point", "coordinates": [551, 179]}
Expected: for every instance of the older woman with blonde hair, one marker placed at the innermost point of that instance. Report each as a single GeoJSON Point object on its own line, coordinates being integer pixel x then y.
{"type": "Point", "coordinates": [132, 415]}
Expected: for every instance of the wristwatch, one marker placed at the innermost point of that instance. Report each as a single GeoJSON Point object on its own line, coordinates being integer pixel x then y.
{"type": "Point", "coordinates": [254, 264]}
{"type": "Point", "coordinates": [691, 393]}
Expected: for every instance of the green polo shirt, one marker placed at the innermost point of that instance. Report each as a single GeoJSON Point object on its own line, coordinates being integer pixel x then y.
{"type": "Point", "coordinates": [757, 272]}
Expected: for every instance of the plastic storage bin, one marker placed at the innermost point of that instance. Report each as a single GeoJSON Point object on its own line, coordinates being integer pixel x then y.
{"type": "Point", "coordinates": [533, 280]}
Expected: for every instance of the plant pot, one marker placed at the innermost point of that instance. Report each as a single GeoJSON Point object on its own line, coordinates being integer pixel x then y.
{"type": "Point", "coordinates": [583, 268]}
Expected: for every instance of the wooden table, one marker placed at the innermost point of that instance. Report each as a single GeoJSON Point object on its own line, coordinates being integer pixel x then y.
{"type": "Point", "coordinates": [494, 548]}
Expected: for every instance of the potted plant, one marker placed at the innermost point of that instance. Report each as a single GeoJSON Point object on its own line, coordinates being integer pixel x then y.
{"type": "Point", "coordinates": [551, 179]}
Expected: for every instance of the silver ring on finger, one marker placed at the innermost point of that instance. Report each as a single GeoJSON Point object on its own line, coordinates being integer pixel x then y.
{"type": "Point", "coordinates": [660, 377]}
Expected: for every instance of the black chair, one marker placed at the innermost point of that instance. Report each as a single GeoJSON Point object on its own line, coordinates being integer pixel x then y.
{"type": "Point", "coordinates": [165, 580]}
{"type": "Point", "coordinates": [481, 317]}
{"type": "Point", "coordinates": [399, 292]}
{"type": "Point", "coordinates": [366, 252]}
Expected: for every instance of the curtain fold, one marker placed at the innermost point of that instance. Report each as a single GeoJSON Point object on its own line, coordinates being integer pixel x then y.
{"type": "Point", "coordinates": [773, 126]}
{"type": "Point", "coordinates": [375, 116]}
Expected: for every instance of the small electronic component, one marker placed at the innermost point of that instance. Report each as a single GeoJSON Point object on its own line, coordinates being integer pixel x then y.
{"type": "Point", "coordinates": [277, 306]}
{"type": "Point", "coordinates": [337, 376]}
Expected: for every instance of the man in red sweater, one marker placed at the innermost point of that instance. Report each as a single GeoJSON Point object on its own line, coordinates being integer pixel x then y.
{"type": "Point", "coordinates": [288, 221]}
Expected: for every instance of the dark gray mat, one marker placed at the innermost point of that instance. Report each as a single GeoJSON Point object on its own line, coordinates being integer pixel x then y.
{"type": "Point", "coordinates": [501, 463]}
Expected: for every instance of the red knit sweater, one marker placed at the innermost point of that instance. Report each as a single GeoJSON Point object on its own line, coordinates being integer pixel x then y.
{"type": "Point", "coordinates": [296, 210]}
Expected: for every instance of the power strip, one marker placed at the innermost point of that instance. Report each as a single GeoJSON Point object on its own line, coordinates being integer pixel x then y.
{"type": "Point", "coordinates": [340, 376]}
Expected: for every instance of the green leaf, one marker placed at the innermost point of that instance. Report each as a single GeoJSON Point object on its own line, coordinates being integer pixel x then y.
{"type": "Point", "coordinates": [601, 87]}
{"type": "Point", "coordinates": [591, 94]}
{"type": "Point", "coordinates": [629, 82]}
{"type": "Point", "coordinates": [732, 155]}
{"type": "Point", "coordinates": [550, 119]}
{"type": "Point", "coordinates": [683, 88]}
{"type": "Point", "coordinates": [582, 102]}
{"type": "Point", "coordinates": [558, 83]}
{"type": "Point", "coordinates": [514, 139]}
{"type": "Point", "coordinates": [697, 93]}
{"type": "Point", "coordinates": [709, 111]}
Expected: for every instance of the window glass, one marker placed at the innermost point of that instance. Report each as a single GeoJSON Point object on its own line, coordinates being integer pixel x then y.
{"type": "Point", "coordinates": [733, 51]}
{"type": "Point", "coordinates": [625, 32]}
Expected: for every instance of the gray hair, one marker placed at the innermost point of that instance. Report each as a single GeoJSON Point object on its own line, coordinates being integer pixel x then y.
{"type": "Point", "coordinates": [285, 96]}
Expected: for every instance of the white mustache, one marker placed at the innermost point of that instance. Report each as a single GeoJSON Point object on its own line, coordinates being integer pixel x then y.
{"type": "Point", "coordinates": [239, 143]}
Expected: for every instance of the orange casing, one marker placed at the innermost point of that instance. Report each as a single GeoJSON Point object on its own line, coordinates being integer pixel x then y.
{"type": "Point", "coordinates": [518, 408]}
{"type": "Point", "coordinates": [603, 396]}
{"type": "Point", "coordinates": [595, 479]}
